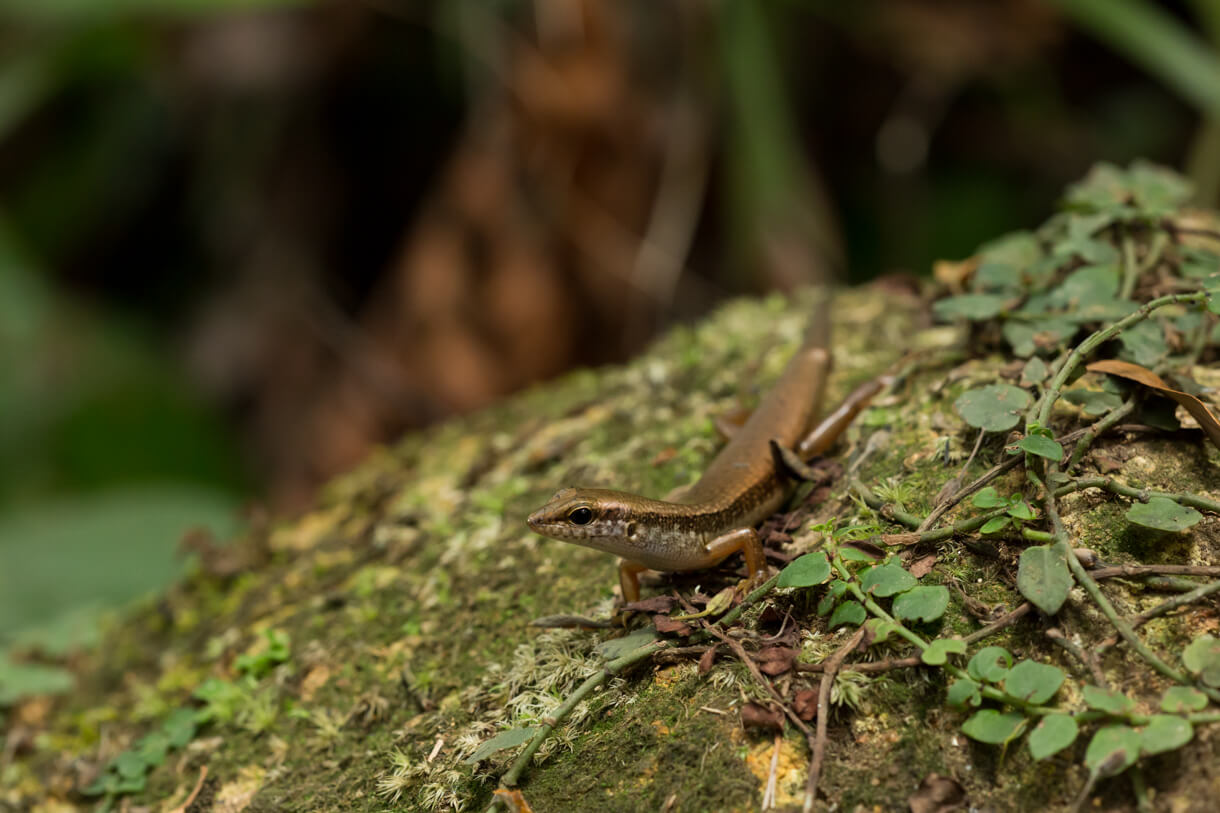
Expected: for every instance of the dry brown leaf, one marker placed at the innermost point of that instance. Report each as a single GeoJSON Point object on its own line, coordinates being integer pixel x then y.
{"type": "Point", "coordinates": [922, 567]}
{"type": "Point", "coordinates": [953, 274]}
{"type": "Point", "coordinates": [775, 660]}
{"type": "Point", "coordinates": [1142, 375]}
{"type": "Point", "coordinates": [653, 604]}
{"type": "Point", "coordinates": [706, 660]}
{"type": "Point", "coordinates": [203, 775]}
{"type": "Point", "coordinates": [666, 625]}
{"type": "Point", "coordinates": [314, 679]}
{"type": "Point", "coordinates": [513, 800]}
{"type": "Point", "coordinates": [805, 704]}
{"type": "Point", "coordinates": [756, 716]}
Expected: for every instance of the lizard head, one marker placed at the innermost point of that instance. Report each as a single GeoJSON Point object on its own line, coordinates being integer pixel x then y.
{"type": "Point", "coordinates": [592, 517]}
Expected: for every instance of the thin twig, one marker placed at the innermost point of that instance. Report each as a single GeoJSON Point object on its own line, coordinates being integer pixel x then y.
{"type": "Point", "coordinates": [1098, 338]}
{"type": "Point", "coordinates": [1006, 620]}
{"type": "Point", "coordinates": [1131, 268]}
{"type": "Point", "coordinates": [1136, 571]}
{"type": "Point", "coordinates": [1141, 494]}
{"type": "Point", "coordinates": [1086, 660]}
{"type": "Point", "coordinates": [1097, 428]}
{"type": "Point", "coordinates": [819, 743]}
{"type": "Point", "coordinates": [945, 504]}
{"type": "Point", "coordinates": [203, 774]}
{"type": "Point", "coordinates": [768, 800]}
{"type": "Point", "coordinates": [1163, 608]}
{"type": "Point", "coordinates": [864, 667]}
{"type": "Point", "coordinates": [945, 531]}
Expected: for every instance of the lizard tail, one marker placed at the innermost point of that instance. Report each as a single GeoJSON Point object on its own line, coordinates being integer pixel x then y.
{"type": "Point", "coordinates": [818, 332]}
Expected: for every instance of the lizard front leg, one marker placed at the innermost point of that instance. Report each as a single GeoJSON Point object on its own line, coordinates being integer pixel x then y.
{"type": "Point", "coordinates": [629, 579]}
{"type": "Point", "coordinates": [740, 539]}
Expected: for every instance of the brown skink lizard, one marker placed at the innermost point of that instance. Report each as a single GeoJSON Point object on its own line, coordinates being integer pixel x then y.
{"type": "Point", "coordinates": [715, 517]}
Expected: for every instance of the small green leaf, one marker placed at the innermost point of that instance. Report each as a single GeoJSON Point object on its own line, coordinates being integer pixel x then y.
{"type": "Point", "coordinates": [259, 663]}
{"type": "Point", "coordinates": [1202, 659]}
{"type": "Point", "coordinates": [938, 652]}
{"type": "Point", "coordinates": [922, 603]}
{"type": "Point", "coordinates": [130, 765]}
{"type": "Point", "coordinates": [995, 525]}
{"type": "Point", "coordinates": [1163, 514]}
{"type": "Point", "coordinates": [1022, 510]}
{"type": "Point", "coordinates": [1085, 286]}
{"type": "Point", "coordinates": [994, 408]}
{"type": "Point", "coordinates": [1107, 700]}
{"type": "Point", "coordinates": [1043, 578]}
{"type": "Point", "coordinates": [1143, 343]}
{"type": "Point", "coordinates": [20, 680]}
{"type": "Point", "coordinates": [850, 554]}
{"type": "Point", "coordinates": [1165, 732]}
{"type": "Point", "coordinates": [1112, 750]}
{"type": "Point", "coordinates": [994, 727]}
{"type": "Point", "coordinates": [222, 698]}
{"type": "Point", "coordinates": [988, 498]}
{"type": "Point", "coordinates": [806, 571]}
{"type": "Point", "coordinates": [996, 277]}
{"type": "Point", "coordinates": [991, 663]}
{"type": "Point", "coordinates": [1157, 190]}
{"type": "Point", "coordinates": [106, 783]}
{"type": "Point", "coordinates": [1033, 682]}
{"type": "Point", "coordinates": [1035, 371]}
{"type": "Point", "coordinates": [887, 580]}
{"type": "Point", "coordinates": [1105, 310]}
{"type": "Point", "coordinates": [505, 739]}
{"type": "Point", "coordinates": [1183, 698]}
{"type": "Point", "coordinates": [849, 612]}
{"type": "Point", "coordinates": [179, 727]}
{"type": "Point", "coordinates": [977, 307]}
{"type": "Point", "coordinates": [1053, 733]}
{"type": "Point", "coordinates": [837, 588]}
{"type": "Point", "coordinates": [1040, 334]}
{"type": "Point", "coordinates": [1197, 263]}
{"type": "Point", "coordinates": [826, 605]}
{"type": "Point", "coordinates": [881, 630]}
{"type": "Point", "coordinates": [135, 784]}
{"type": "Point", "coordinates": [1016, 250]}
{"type": "Point", "coordinates": [153, 747]}
{"type": "Point", "coordinates": [963, 691]}
{"type": "Point", "coordinates": [1093, 402]}
{"type": "Point", "coordinates": [1041, 446]}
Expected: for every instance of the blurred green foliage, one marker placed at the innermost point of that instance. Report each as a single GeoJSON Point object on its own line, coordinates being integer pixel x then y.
{"type": "Point", "coordinates": [106, 456]}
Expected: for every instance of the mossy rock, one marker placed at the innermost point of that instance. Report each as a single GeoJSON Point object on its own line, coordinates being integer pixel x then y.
{"type": "Point", "coordinates": [405, 600]}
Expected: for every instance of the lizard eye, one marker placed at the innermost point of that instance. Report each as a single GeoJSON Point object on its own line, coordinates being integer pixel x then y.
{"type": "Point", "coordinates": [580, 516]}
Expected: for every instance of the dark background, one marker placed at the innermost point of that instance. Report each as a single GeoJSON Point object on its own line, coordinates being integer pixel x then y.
{"type": "Point", "coordinates": [242, 242]}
